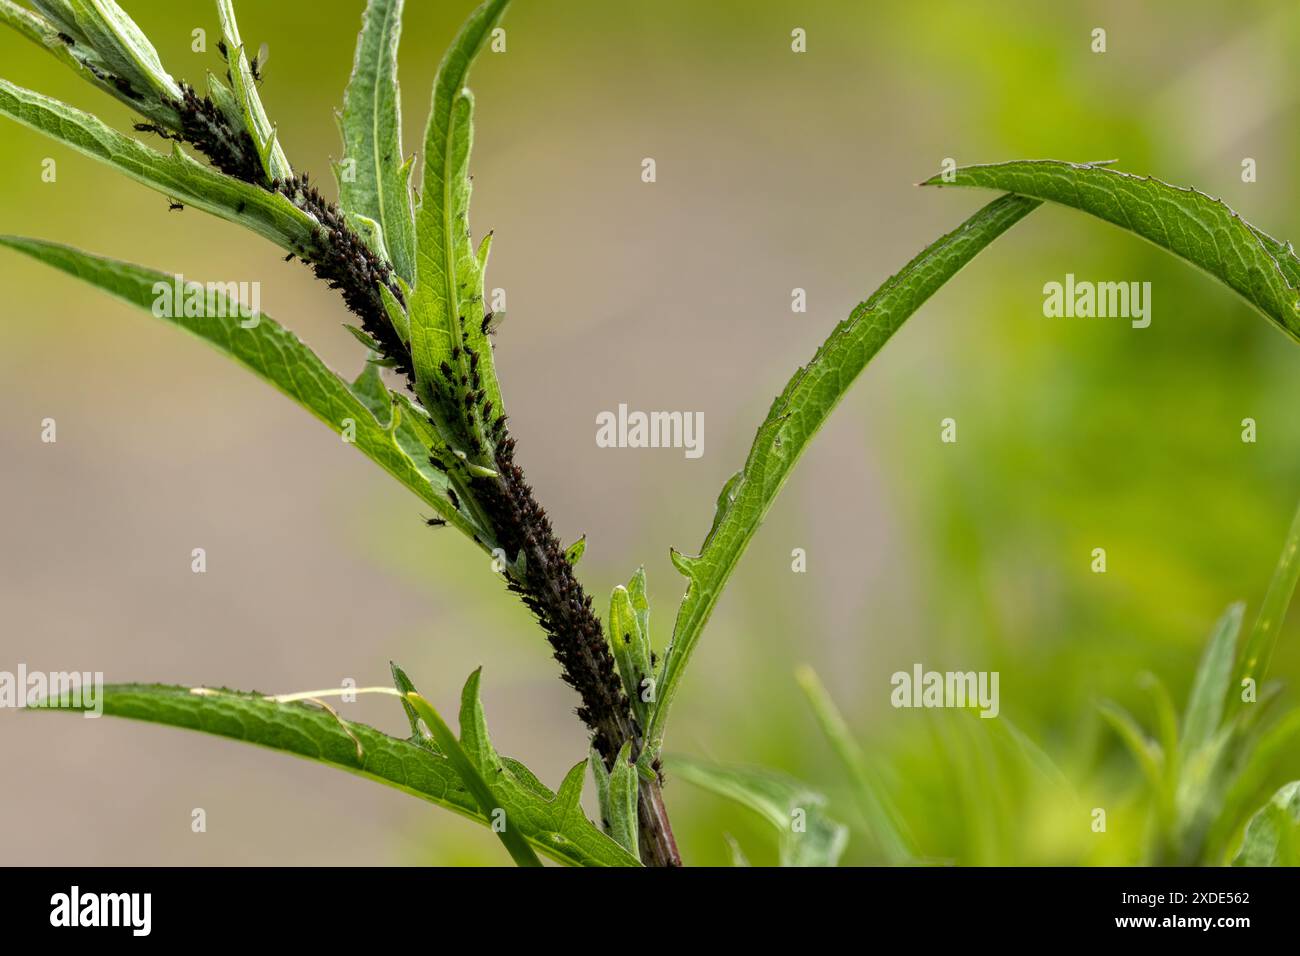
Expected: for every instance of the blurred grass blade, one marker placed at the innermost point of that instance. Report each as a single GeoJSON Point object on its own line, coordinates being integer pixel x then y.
{"type": "Point", "coordinates": [377, 184]}
{"type": "Point", "coordinates": [807, 836]}
{"type": "Point", "coordinates": [446, 308]}
{"type": "Point", "coordinates": [1263, 636]}
{"type": "Point", "coordinates": [1264, 756]}
{"type": "Point", "coordinates": [882, 818]}
{"type": "Point", "coordinates": [488, 804]}
{"type": "Point", "coordinates": [795, 417]}
{"type": "Point", "coordinates": [1273, 834]}
{"type": "Point", "coordinates": [623, 782]}
{"type": "Point", "coordinates": [176, 176]}
{"type": "Point", "coordinates": [1145, 751]}
{"type": "Point", "coordinates": [244, 88]}
{"type": "Point", "coordinates": [1210, 687]}
{"type": "Point", "coordinates": [1166, 724]}
{"type": "Point", "coordinates": [738, 857]}
{"type": "Point", "coordinates": [278, 357]}
{"type": "Point", "coordinates": [1188, 223]}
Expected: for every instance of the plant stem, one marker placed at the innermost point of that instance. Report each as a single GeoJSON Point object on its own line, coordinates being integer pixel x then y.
{"type": "Point", "coordinates": [655, 838]}
{"type": "Point", "coordinates": [521, 526]}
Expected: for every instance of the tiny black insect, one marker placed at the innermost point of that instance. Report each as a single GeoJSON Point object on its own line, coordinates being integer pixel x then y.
{"type": "Point", "coordinates": [221, 48]}
{"type": "Point", "coordinates": [434, 522]}
{"type": "Point", "coordinates": [486, 326]}
{"type": "Point", "coordinates": [289, 257]}
{"type": "Point", "coordinates": [455, 501]}
{"type": "Point", "coordinates": [254, 69]}
{"type": "Point", "coordinates": [67, 39]}
{"type": "Point", "coordinates": [174, 205]}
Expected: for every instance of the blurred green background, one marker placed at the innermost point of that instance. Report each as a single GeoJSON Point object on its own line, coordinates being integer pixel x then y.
{"type": "Point", "coordinates": [775, 171]}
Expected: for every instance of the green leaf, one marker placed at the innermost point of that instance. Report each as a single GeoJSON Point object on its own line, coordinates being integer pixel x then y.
{"type": "Point", "coordinates": [311, 731]}
{"type": "Point", "coordinates": [371, 123]}
{"type": "Point", "coordinates": [488, 804]}
{"type": "Point", "coordinates": [1166, 724]}
{"type": "Point", "coordinates": [1145, 751]}
{"type": "Point", "coordinates": [1273, 834]}
{"type": "Point", "coordinates": [622, 800]}
{"type": "Point", "coordinates": [795, 417]}
{"type": "Point", "coordinates": [176, 176]}
{"type": "Point", "coordinates": [1258, 651]}
{"type": "Point", "coordinates": [554, 822]}
{"type": "Point", "coordinates": [738, 857]}
{"type": "Point", "coordinates": [244, 88]}
{"type": "Point", "coordinates": [280, 358]}
{"type": "Point", "coordinates": [420, 734]}
{"type": "Point", "coordinates": [807, 837]}
{"type": "Point", "coordinates": [446, 308]}
{"type": "Point", "coordinates": [574, 552]}
{"type": "Point", "coordinates": [631, 652]}
{"type": "Point", "coordinates": [122, 47]}
{"type": "Point", "coordinates": [884, 822]}
{"type": "Point", "coordinates": [85, 62]}
{"type": "Point", "coordinates": [1188, 223]}
{"type": "Point", "coordinates": [1210, 687]}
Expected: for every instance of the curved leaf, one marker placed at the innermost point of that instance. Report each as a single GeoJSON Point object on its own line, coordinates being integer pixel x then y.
{"type": "Point", "coordinates": [1273, 833]}
{"type": "Point", "coordinates": [244, 88]}
{"type": "Point", "coordinates": [511, 836]}
{"type": "Point", "coordinates": [807, 836]}
{"type": "Point", "coordinates": [1188, 223]}
{"type": "Point", "coordinates": [311, 731]}
{"type": "Point", "coordinates": [795, 418]}
{"type": "Point", "coordinates": [884, 821]}
{"type": "Point", "coordinates": [84, 61]}
{"type": "Point", "coordinates": [371, 124]}
{"type": "Point", "coordinates": [280, 358]}
{"type": "Point", "coordinates": [449, 275]}
{"type": "Point", "coordinates": [177, 176]}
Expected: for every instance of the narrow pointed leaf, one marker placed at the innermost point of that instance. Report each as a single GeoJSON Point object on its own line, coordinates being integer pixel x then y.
{"type": "Point", "coordinates": [277, 356]}
{"type": "Point", "coordinates": [553, 821]}
{"type": "Point", "coordinates": [244, 88]}
{"type": "Point", "coordinates": [884, 822]}
{"type": "Point", "coordinates": [1210, 687]}
{"type": "Point", "coordinates": [84, 62]}
{"type": "Point", "coordinates": [1258, 651]}
{"type": "Point", "coordinates": [623, 783]}
{"type": "Point", "coordinates": [1145, 751]}
{"type": "Point", "coordinates": [795, 417]}
{"type": "Point", "coordinates": [122, 47]}
{"type": "Point", "coordinates": [447, 307]}
{"type": "Point", "coordinates": [176, 176]}
{"type": "Point", "coordinates": [420, 734]}
{"type": "Point", "coordinates": [1196, 227]}
{"type": "Point", "coordinates": [307, 730]}
{"type": "Point", "coordinates": [631, 653]}
{"type": "Point", "coordinates": [488, 804]}
{"type": "Point", "coordinates": [375, 184]}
